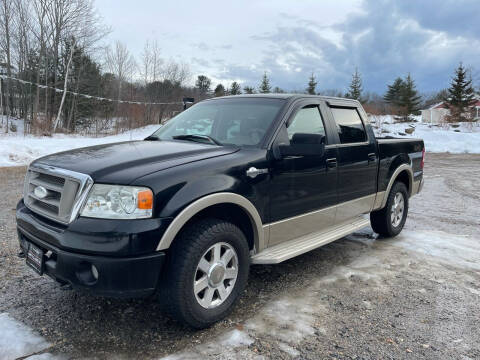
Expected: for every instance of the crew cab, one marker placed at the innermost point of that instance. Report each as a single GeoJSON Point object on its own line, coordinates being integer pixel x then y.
{"type": "Point", "coordinates": [230, 182]}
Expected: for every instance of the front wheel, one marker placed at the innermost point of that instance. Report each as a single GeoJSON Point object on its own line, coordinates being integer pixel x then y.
{"type": "Point", "coordinates": [207, 270]}
{"type": "Point", "coordinates": [389, 221]}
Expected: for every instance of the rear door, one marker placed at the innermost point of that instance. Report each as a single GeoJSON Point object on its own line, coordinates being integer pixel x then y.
{"type": "Point", "coordinates": [357, 161]}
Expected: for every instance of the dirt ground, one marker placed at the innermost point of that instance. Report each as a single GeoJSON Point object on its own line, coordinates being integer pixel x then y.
{"type": "Point", "coordinates": [414, 296]}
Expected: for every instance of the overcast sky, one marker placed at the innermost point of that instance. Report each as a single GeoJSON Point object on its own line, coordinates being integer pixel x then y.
{"type": "Point", "coordinates": [290, 39]}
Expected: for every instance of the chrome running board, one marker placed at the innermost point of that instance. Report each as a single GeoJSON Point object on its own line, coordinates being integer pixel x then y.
{"type": "Point", "coordinates": [289, 249]}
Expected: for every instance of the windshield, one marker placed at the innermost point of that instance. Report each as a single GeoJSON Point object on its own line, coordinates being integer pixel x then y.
{"type": "Point", "coordinates": [241, 121]}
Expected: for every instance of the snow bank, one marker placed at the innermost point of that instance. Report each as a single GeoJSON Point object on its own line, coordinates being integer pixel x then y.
{"type": "Point", "coordinates": [16, 149]}
{"type": "Point", "coordinates": [438, 138]}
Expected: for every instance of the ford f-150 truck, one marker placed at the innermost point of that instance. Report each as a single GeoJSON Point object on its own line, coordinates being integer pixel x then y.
{"type": "Point", "coordinates": [230, 182]}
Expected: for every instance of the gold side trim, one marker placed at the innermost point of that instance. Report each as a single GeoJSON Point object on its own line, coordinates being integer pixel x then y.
{"type": "Point", "coordinates": [209, 200]}
{"type": "Point", "coordinates": [296, 226]}
{"type": "Point", "coordinates": [378, 200]}
{"type": "Point", "coordinates": [417, 187]}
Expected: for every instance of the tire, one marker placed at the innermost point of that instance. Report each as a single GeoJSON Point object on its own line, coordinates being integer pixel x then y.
{"type": "Point", "coordinates": [383, 221]}
{"type": "Point", "coordinates": [186, 268]}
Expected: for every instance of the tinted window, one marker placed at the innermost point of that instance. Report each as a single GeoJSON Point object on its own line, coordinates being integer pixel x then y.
{"type": "Point", "coordinates": [307, 120]}
{"type": "Point", "coordinates": [239, 121]}
{"type": "Point", "coordinates": [349, 125]}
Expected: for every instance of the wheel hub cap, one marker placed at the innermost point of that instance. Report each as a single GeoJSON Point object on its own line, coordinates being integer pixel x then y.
{"type": "Point", "coordinates": [215, 276]}
{"type": "Point", "coordinates": [398, 207]}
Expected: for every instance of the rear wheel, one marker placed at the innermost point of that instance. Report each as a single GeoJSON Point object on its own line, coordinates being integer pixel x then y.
{"type": "Point", "coordinates": [390, 220]}
{"type": "Point", "coordinates": [207, 270]}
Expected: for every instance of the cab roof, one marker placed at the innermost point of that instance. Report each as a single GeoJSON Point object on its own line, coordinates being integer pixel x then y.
{"type": "Point", "coordinates": [285, 96]}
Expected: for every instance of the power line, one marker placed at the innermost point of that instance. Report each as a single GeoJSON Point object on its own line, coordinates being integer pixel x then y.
{"type": "Point", "coordinates": [88, 96]}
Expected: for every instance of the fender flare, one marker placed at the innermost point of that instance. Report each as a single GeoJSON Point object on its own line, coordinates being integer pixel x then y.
{"type": "Point", "coordinates": [398, 170]}
{"type": "Point", "coordinates": [214, 199]}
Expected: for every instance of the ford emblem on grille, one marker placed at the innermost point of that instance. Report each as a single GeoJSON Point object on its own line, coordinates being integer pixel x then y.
{"type": "Point", "coordinates": [40, 192]}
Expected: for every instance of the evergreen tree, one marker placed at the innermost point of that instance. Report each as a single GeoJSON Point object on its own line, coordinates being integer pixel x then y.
{"type": "Point", "coordinates": [410, 100]}
{"type": "Point", "coordinates": [219, 90]}
{"type": "Point", "coordinates": [249, 90]}
{"type": "Point", "coordinates": [235, 89]}
{"type": "Point", "coordinates": [460, 94]}
{"type": "Point", "coordinates": [265, 87]}
{"type": "Point", "coordinates": [394, 92]}
{"type": "Point", "coordinates": [312, 83]}
{"type": "Point", "coordinates": [278, 90]}
{"type": "Point", "coordinates": [203, 84]}
{"type": "Point", "coordinates": [355, 90]}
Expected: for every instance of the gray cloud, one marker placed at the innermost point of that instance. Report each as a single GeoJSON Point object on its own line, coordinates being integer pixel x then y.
{"type": "Point", "coordinates": [387, 39]}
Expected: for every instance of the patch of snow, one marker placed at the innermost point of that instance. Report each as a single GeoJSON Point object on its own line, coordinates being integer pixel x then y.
{"type": "Point", "coordinates": [17, 340]}
{"type": "Point", "coordinates": [452, 249]}
{"type": "Point", "coordinates": [236, 338]}
{"type": "Point", "coordinates": [287, 319]}
{"type": "Point", "coordinates": [441, 138]}
{"type": "Point", "coordinates": [21, 150]}
{"type": "Point", "coordinates": [46, 356]}
{"type": "Point", "coordinates": [226, 344]}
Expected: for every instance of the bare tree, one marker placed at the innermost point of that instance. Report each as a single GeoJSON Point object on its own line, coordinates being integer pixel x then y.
{"type": "Point", "coordinates": [121, 63]}
{"type": "Point", "coordinates": [151, 62]}
{"type": "Point", "coordinates": [6, 16]}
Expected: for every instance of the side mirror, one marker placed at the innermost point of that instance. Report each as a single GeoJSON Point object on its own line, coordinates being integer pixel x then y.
{"type": "Point", "coordinates": [304, 145]}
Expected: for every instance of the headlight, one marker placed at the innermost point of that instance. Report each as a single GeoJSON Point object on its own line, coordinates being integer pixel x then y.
{"type": "Point", "coordinates": [118, 202]}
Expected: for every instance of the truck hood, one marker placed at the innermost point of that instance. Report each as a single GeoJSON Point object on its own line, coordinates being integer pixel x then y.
{"type": "Point", "coordinates": [123, 162]}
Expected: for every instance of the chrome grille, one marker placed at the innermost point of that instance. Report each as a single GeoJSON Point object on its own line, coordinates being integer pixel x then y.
{"type": "Point", "coordinates": [62, 192]}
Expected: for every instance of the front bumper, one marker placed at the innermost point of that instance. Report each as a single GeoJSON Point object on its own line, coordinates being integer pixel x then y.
{"type": "Point", "coordinates": [119, 275]}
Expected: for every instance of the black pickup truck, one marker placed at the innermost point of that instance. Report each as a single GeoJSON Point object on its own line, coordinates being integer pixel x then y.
{"type": "Point", "coordinates": [232, 181]}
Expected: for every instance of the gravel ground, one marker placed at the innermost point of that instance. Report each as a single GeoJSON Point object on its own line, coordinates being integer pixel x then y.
{"type": "Point", "coordinates": [415, 296]}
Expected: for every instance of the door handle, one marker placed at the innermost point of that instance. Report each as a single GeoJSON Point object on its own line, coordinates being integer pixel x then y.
{"type": "Point", "coordinates": [372, 157]}
{"type": "Point", "coordinates": [253, 172]}
{"type": "Point", "coordinates": [332, 163]}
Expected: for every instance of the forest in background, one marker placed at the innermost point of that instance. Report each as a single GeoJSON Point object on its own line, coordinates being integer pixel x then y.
{"type": "Point", "coordinates": [48, 46]}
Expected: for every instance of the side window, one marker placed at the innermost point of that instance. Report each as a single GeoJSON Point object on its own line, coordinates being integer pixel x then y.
{"type": "Point", "coordinates": [349, 125]}
{"type": "Point", "coordinates": [307, 120]}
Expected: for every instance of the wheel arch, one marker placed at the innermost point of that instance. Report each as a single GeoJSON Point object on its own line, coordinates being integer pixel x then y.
{"type": "Point", "coordinates": [403, 173]}
{"type": "Point", "coordinates": [224, 205]}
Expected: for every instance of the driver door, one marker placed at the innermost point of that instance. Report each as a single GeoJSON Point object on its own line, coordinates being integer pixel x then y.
{"type": "Point", "coordinates": [303, 191]}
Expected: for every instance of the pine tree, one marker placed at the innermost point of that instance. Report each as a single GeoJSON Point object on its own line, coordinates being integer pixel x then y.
{"type": "Point", "coordinates": [409, 99]}
{"type": "Point", "coordinates": [278, 90]}
{"type": "Point", "coordinates": [355, 90]}
{"type": "Point", "coordinates": [249, 90]}
{"type": "Point", "coordinates": [203, 84]}
{"type": "Point", "coordinates": [219, 90]}
{"type": "Point", "coordinates": [394, 92]}
{"type": "Point", "coordinates": [265, 87]}
{"type": "Point", "coordinates": [235, 89]}
{"type": "Point", "coordinates": [312, 83]}
{"type": "Point", "coordinates": [460, 94]}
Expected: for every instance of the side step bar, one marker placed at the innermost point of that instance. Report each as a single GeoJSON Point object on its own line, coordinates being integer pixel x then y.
{"type": "Point", "coordinates": [289, 249]}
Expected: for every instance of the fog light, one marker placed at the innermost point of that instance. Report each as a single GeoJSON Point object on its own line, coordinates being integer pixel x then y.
{"type": "Point", "coordinates": [94, 272]}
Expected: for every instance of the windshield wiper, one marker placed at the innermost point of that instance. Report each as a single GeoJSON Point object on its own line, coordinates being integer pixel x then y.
{"type": "Point", "coordinates": [195, 137]}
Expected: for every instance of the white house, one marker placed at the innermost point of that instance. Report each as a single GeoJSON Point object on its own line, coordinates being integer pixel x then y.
{"type": "Point", "coordinates": [436, 113]}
